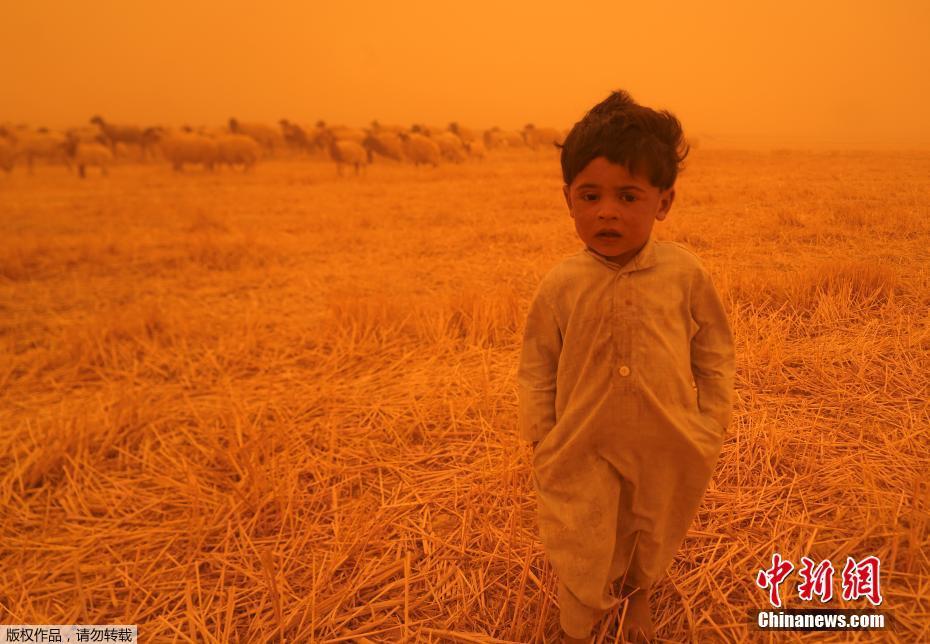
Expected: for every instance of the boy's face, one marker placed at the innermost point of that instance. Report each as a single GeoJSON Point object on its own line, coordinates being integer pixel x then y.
{"type": "Point", "coordinates": [613, 210]}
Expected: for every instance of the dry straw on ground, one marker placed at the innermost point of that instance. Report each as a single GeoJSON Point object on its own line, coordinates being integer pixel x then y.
{"type": "Point", "coordinates": [280, 406]}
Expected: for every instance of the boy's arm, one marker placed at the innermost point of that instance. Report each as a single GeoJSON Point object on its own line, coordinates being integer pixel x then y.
{"type": "Point", "coordinates": [712, 352]}
{"type": "Point", "coordinates": [536, 376]}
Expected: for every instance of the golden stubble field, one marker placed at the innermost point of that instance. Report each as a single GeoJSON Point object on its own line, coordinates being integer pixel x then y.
{"type": "Point", "coordinates": [281, 406]}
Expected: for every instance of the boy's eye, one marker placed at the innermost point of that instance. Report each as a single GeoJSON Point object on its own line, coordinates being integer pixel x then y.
{"type": "Point", "coordinates": [590, 196]}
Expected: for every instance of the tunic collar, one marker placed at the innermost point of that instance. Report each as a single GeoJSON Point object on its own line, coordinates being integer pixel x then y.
{"type": "Point", "coordinates": [645, 258]}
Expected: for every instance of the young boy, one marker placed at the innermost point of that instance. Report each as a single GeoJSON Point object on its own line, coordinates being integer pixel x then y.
{"type": "Point", "coordinates": [625, 375]}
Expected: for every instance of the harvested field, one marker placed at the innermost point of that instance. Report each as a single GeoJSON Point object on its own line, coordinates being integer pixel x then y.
{"type": "Point", "coordinates": [281, 405]}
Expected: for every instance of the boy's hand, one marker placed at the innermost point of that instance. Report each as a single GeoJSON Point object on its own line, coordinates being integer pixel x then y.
{"type": "Point", "coordinates": [538, 370]}
{"type": "Point", "coordinates": [712, 353]}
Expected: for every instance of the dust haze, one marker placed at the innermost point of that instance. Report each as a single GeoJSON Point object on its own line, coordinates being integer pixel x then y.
{"type": "Point", "coordinates": [773, 74]}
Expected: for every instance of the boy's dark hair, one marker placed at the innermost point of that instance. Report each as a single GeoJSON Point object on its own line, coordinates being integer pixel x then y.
{"type": "Point", "coordinates": [628, 134]}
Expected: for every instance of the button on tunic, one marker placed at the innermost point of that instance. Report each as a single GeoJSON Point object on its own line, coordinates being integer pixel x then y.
{"type": "Point", "coordinates": [625, 379]}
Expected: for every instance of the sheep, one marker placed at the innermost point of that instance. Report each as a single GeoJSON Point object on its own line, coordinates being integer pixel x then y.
{"type": "Point", "coordinates": [7, 155]}
{"type": "Point", "coordinates": [512, 138]}
{"type": "Point", "coordinates": [7, 149]}
{"type": "Point", "coordinates": [466, 134]}
{"type": "Point", "coordinates": [536, 137]}
{"type": "Point", "coordinates": [420, 149]}
{"type": "Point", "coordinates": [498, 138]}
{"type": "Point", "coordinates": [492, 138]}
{"type": "Point", "coordinates": [266, 136]}
{"type": "Point", "coordinates": [296, 136]}
{"type": "Point", "coordinates": [128, 134]}
{"type": "Point", "coordinates": [87, 146]}
{"type": "Point", "coordinates": [41, 144]}
{"type": "Point", "coordinates": [386, 143]}
{"type": "Point", "coordinates": [349, 152]}
{"type": "Point", "coordinates": [381, 127]}
{"type": "Point", "coordinates": [476, 149]}
{"type": "Point", "coordinates": [322, 135]}
{"type": "Point", "coordinates": [96, 154]}
{"type": "Point", "coordinates": [6, 133]}
{"type": "Point", "coordinates": [427, 130]}
{"type": "Point", "coordinates": [234, 149]}
{"type": "Point", "coordinates": [152, 136]}
{"type": "Point", "coordinates": [343, 151]}
{"type": "Point", "coordinates": [450, 146]}
{"type": "Point", "coordinates": [342, 132]}
{"type": "Point", "coordinates": [86, 134]}
{"type": "Point", "coordinates": [189, 147]}
{"type": "Point", "coordinates": [83, 153]}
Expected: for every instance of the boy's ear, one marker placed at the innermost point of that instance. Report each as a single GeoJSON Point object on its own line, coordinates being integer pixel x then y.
{"type": "Point", "coordinates": [665, 204]}
{"type": "Point", "coordinates": [568, 197]}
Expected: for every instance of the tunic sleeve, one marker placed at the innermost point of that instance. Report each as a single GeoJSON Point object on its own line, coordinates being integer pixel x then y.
{"type": "Point", "coordinates": [712, 352]}
{"type": "Point", "coordinates": [539, 363]}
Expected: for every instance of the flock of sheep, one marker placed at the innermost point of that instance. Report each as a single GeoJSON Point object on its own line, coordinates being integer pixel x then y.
{"type": "Point", "coordinates": [242, 144]}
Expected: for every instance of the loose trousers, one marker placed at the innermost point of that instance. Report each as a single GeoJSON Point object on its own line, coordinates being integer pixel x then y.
{"type": "Point", "coordinates": [577, 618]}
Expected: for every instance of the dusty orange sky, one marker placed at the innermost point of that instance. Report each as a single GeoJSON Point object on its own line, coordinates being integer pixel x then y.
{"type": "Point", "coordinates": [816, 71]}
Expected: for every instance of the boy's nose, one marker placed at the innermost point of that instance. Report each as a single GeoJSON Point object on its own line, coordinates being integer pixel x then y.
{"type": "Point", "coordinates": [608, 209]}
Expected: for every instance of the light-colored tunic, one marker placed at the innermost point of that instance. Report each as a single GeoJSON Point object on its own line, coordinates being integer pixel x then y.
{"type": "Point", "coordinates": [625, 378]}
